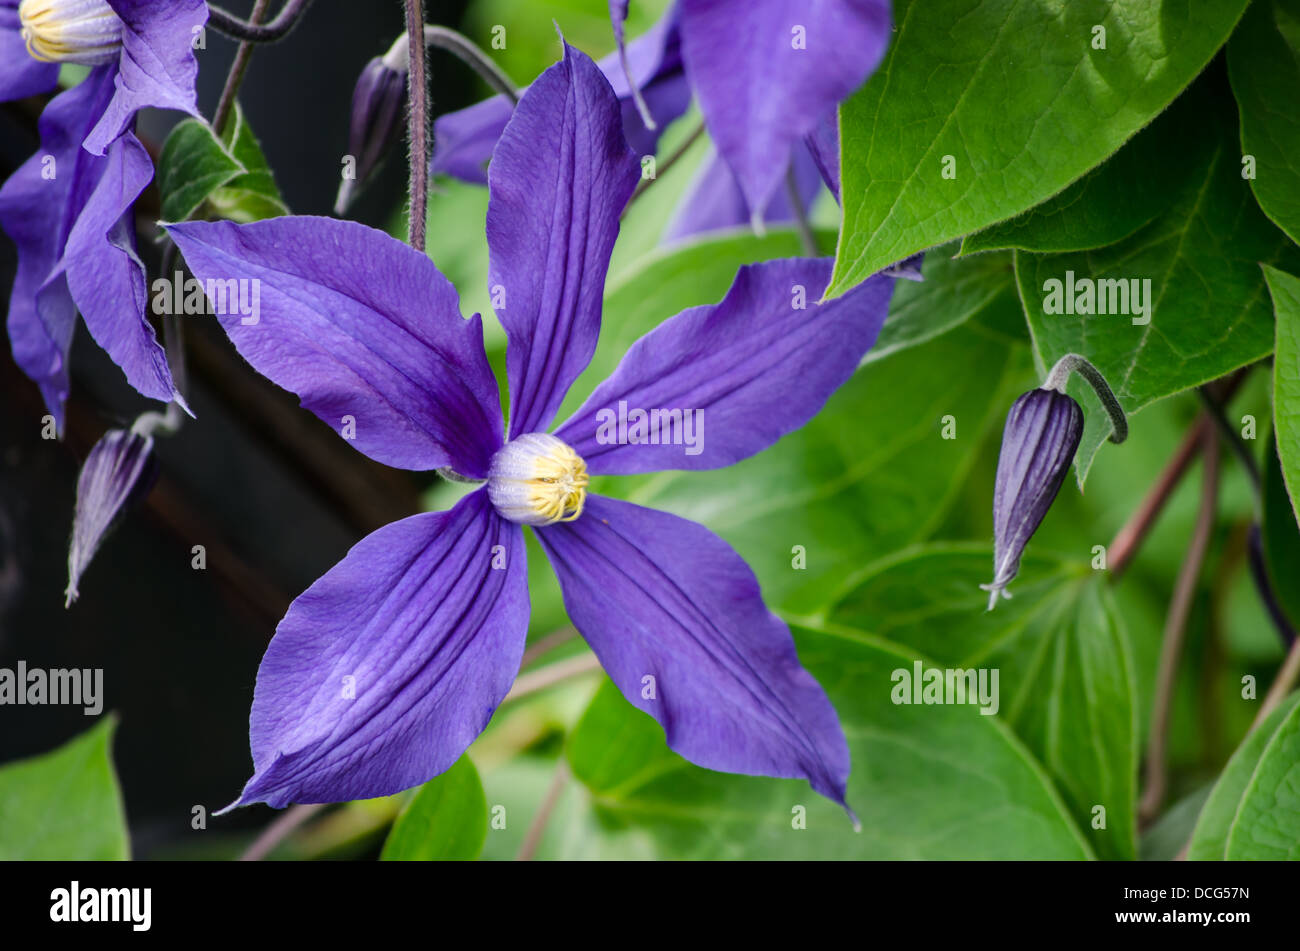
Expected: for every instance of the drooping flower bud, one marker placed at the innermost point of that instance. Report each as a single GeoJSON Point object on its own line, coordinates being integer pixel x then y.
{"type": "Point", "coordinates": [1038, 444]}
{"type": "Point", "coordinates": [378, 108]}
{"type": "Point", "coordinates": [87, 32]}
{"type": "Point", "coordinates": [120, 471]}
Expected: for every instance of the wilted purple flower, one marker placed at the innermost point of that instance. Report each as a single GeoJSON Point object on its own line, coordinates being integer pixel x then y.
{"type": "Point", "coordinates": [388, 667]}
{"type": "Point", "coordinates": [120, 470]}
{"type": "Point", "coordinates": [378, 108]}
{"type": "Point", "coordinates": [1038, 444]}
{"type": "Point", "coordinates": [68, 208]}
{"type": "Point", "coordinates": [768, 75]}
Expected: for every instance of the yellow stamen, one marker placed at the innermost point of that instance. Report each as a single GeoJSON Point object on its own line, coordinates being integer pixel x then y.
{"type": "Point", "coordinates": [70, 31]}
{"type": "Point", "coordinates": [538, 480]}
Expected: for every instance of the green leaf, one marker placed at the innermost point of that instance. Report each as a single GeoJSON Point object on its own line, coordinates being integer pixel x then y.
{"type": "Point", "coordinates": [1064, 660]}
{"type": "Point", "coordinates": [64, 805]}
{"type": "Point", "coordinates": [1280, 536]}
{"type": "Point", "coordinates": [445, 819]}
{"type": "Point", "coordinates": [1264, 62]}
{"type": "Point", "coordinates": [1116, 198]}
{"type": "Point", "coordinates": [231, 174]}
{"type": "Point", "coordinates": [1203, 296]}
{"type": "Point", "coordinates": [952, 292]}
{"type": "Point", "coordinates": [1254, 810]}
{"type": "Point", "coordinates": [1285, 290]}
{"type": "Point", "coordinates": [927, 782]}
{"type": "Point", "coordinates": [1018, 96]}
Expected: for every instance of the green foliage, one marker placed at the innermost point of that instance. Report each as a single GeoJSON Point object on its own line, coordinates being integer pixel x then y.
{"type": "Point", "coordinates": [1254, 811]}
{"type": "Point", "coordinates": [1285, 290]}
{"type": "Point", "coordinates": [445, 819]}
{"type": "Point", "coordinates": [1264, 60]}
{"type": "Point", "coordinates": [1207, 310]}
{"type": "Point", "coordinates": [1012, 94]}
{"type": "Point", "coordinates": [229, 175]}
{"type": "Point", "coordinates": [64, 805]}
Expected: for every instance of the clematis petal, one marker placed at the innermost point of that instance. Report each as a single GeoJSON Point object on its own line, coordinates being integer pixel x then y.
{"type": "Point", "coordinates": [388, 667]}
{"type": "Point", "coordinates": [106, 275]}
{"type": "Point", "coordinates": [559, 180]}
{"type": "Point", "coordinates": [766, 73]}
{"type": "Point", "coordinates": [20, 75]}
{"type": "Point", "coordinates": [715, 203]}
{"type": "Point", "coordinates": [464, 140]}
{"type": "Point", "coordinates": [364, 329]}
{"type": "Point", "coordinates": [717, 384]}
{"type": "Point", "coordinates": [39, 204]}
{"type": "Point", "coordinates": [157, 68]}
{"type": "Point", "coordinates": [659, 597]}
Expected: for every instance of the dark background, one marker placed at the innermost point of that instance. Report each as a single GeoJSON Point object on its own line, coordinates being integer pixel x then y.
{"type": "Point", "coordinates": [271, 493]}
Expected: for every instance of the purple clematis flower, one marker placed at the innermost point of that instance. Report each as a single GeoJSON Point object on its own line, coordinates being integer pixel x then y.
{"type": "Point", "coordinates": [768, 75]}
{"type": "Point", "coordinates": [385, 670]}
{"type": "Point", "coordinates": [68, 208]}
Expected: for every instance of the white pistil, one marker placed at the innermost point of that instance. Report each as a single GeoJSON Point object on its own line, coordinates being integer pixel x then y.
{"type": "Point", "coordinates": [537, 479]}
{"type": "Point", "coordinates": [87, 32]}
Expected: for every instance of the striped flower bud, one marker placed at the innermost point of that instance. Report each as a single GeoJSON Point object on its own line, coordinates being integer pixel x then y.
{"type": "Point", "coordinates": [1038, 444]}
{"type": "Point", "coordinates": [120, 471]}
{"type": "Point", "coordinates": [378, 108]}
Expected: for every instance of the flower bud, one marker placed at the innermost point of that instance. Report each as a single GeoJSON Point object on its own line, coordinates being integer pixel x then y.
{"type": "Point", "coordinates": [1038, 444]}
{"type": "Point", "coordinates": [378, 108]}
{"type": "Point", "coordinates": [87, 32]}
{"type": "Point", "coordinates": [120, 470]}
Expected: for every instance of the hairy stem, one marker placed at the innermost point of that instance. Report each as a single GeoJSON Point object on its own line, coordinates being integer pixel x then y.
{"type": "Point", "coordinates": [1175, 634]}
{"type": "Point", "coordinates": [468, 52]}
{"type": "Point", "coordinates": [235, 78]}
{"type": "Point", "coordinates": [1073, 363]}
{"type": "Point", "coordinates": [418, 123]}
{"type": "Point", "coordinates": [250, 31]}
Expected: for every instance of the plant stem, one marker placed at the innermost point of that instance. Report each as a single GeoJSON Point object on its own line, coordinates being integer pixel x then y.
{"type": "Point", "coordinates": [1129, 538]}
{"type": "Point", "coordinates": [562, 670]}
{"type": "Point", "coordinates": [468, 52]}
{"type": "Point", "coordinates": [664, 166]}
{"type": "Point", "coordinates": [418, 123]}
{"type": "Point", "coordinates": [1175, 634]}
{"type": "Point", "coordinates": [806, 237]}
{"type": "Point", "coordinates": [533, 837]}
{"type": "Point", "coordinates": [235, 78]}
{"type": "Point", "coordinates": [1282, 684]}
{"type": "Point", "coordinates": [250, 31]}
{"type": "Point", "coordinates": [1073, 363]}
{"type": "Point", "coordinates": [547, 643]}
{"type": "Point", "coordinates": [279, 830]}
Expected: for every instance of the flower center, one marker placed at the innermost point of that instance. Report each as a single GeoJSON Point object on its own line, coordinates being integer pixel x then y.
{"type": "Point", "coordinates": [536, 479]}
{"type": "Point", "coordinates": [70, 31]}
